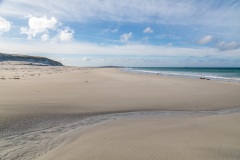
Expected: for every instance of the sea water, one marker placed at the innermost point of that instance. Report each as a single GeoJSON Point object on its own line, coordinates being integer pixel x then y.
{"type": "Point", "coordinates": [224, 74]}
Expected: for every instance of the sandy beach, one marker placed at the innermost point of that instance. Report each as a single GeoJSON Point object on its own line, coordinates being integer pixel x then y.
{"type": "Point", "coordinates": [36, 98]}
{"type": "Point", "coordinates": [178, 137]}
{"type": "Point", "coordinates": [120, 80]}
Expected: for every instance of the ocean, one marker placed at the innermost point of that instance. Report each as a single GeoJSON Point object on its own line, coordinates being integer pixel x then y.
{"type": "Point", "coordinates": [222, 74]}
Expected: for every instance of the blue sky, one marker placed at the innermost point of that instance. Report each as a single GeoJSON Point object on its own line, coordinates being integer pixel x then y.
{"type": "Point", "coordinates": [124, 32]}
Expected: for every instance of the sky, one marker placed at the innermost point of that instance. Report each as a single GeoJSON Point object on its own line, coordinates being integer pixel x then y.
{"type": "Point", "coordinates": [154, 33]}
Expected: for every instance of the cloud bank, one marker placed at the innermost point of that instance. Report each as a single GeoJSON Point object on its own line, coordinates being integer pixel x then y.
{"type": "Point", "coordinates": [228, 45]}
{"type": "Point", "coordinates": [32, 47]}
{"type": "Point", "coordinates": [213, 13]}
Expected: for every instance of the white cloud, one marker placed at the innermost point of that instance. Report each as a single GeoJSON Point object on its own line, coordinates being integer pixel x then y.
{"type": "Point", "coordinates": [65, 34]}
{"type": "Point", "coordinates": [44, 25]}
{"type": "Point", "coordinates": [148, 30]}
{"type": "Point", "coordinates": [114, 30]}
{"type": "Point", "coordinates": [169, 44]}
{"type": "Point", "coordinates": [86, 59]}
{"type": "Point", "coordinates": [205, 40]}
{"type": "Point", "coordinates": [145, 39]}
{"type": "Point", "coordinates": [44, 37]}
{"type": "Point", "coordinates": [228, 45]}
{"type": "Point", "coordinates": [5, 25]}
{"type": "Point", "coordinates": [110, 29]}
{"type": "Point", "coordinates": [125, 37]}
{"type": "Point", "coordinates": [39, 25]}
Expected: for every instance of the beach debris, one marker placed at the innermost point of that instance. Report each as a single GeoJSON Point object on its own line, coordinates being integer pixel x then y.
{"type": "Point", "coordinates": [203, 78]}
{"type": "Point", "coordinates": [14, 78]}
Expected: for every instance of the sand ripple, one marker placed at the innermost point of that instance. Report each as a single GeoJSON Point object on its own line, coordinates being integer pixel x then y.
{"type": "Point", "coordinates": [33, 144]}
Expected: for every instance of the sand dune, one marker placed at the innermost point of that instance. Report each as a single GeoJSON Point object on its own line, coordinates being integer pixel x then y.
{"type": "Point", "coordinates": [30, 60]}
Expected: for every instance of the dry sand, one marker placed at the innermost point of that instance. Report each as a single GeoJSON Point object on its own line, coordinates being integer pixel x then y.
{"type": "Point", "coordinates": [35, 98]}
{"type": "Point", "coordinates": [167, 138]}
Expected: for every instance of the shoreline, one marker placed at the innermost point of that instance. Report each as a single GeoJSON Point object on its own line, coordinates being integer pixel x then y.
{"type": "Point", "coordinates": [187, 76]}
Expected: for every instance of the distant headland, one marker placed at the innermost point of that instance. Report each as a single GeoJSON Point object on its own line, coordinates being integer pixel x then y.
{"type": "Point", "coordinates": [29, 60]}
